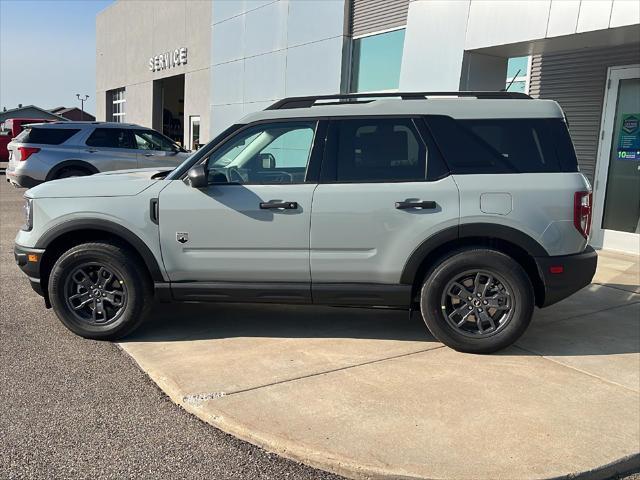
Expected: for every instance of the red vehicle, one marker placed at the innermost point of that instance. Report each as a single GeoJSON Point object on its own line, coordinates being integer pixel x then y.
{"type": "Point", "coordinates": [10, 129]}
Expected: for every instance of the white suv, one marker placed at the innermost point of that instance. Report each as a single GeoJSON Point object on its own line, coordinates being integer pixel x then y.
{"type": "Point", "coordinates": [470, 209]}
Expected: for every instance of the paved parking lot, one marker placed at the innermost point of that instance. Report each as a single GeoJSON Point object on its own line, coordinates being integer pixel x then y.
{"type": "Point", "coordinates": [365, 393]}
{"type": "Point", "coordinates": [73, 408]}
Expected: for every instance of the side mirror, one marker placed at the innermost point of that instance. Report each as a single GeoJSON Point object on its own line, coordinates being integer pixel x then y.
{"type": "Point", "coordinates": [197, 176]}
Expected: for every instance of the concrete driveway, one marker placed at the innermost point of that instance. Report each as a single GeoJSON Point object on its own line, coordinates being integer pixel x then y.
{"type": "Point", "coordinates": [369, 393]}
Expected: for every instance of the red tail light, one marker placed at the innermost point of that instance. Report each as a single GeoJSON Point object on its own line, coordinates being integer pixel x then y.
{"type": "Point", "coordinates": [582, 212]}
{"type": "Point", "coordinates": [26, 152]}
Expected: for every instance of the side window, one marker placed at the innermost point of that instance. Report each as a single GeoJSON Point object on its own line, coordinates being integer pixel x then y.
{"type": "Point", "coordinates": [110, 138]}
{"type": "Point", "coordinates": [150, 140]}
{"type": "Point", "coordinates": [498, 145]}
{"type": "Point", "coordinates": [374, 150]}
{"type": "Point", "coordinates": [264, 154]}
{"type": "Point", "coordinates": [291, 149]}
{"type": "Point", "coordinates": [46, 136]}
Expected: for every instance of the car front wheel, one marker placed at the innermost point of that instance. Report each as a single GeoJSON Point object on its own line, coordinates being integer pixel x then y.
{"type": "Point", "coordinates": [477, 300]}
{"type": "Point", "coordinates": [100, 290]}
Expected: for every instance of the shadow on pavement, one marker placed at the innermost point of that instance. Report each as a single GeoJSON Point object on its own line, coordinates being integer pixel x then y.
{"type": "Point", "coordinates": [615, 331]}
{"type": "Point", "coordinates": [183, 322]}
{"type": "Point", "coordinates": [631, 288]}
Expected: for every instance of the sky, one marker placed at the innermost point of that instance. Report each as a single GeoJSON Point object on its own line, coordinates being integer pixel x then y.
{"type": "Point", "coordinates": [48, 52]}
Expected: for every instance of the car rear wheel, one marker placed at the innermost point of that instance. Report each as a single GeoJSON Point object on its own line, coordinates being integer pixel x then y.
{"type": "Point", "coordinates": [477, 300]}
{"type": "Point", "coordinates": [100, 291]}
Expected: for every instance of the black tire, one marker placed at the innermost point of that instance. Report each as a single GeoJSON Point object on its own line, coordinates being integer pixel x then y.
{"type": "Point", "coordinates": [113, 310]}
{"type": "Point", "coordinates": [465, 319]}
{"type": "Point", "coordinates": [71, 172]}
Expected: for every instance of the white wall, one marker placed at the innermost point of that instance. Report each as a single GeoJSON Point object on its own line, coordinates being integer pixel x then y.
{"type": "Point", "coordinates": [262, 51]}
{"type": "Point", "coordinates": [440, 31]}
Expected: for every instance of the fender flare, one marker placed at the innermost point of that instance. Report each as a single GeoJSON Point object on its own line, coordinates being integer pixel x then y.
{"type": "Point", "coordinates": [70, 163]}
{"type": "Point", "coordinates": [468, 230]}
{"type": "Point", "coordinates": [113, 228]}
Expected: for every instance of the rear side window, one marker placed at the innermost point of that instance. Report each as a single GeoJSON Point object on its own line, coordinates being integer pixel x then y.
{"type": "Point", "coordinates": [374, 150]}
{"type": "Point", "coordinates": [110, 138]}
{"type": "Point", "coordinates": [46, 136]}
{"type": "Point", "coordinates": [504, 145]}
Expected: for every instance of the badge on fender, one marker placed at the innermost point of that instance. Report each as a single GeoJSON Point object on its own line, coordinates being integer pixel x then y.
{"type": "Point", "coordinates": [182, 237]}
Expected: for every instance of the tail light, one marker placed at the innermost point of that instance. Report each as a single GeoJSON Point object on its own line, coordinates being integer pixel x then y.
{"type": "Point", "coordinates": [26, 152]}
{"type": "Point", "coordinates": [582, 212]}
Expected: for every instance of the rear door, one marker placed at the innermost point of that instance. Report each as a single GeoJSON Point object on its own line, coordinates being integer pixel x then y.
{"type": "Point", "coordinates": [155, 150]}
{"type": "Point", "coordinates": [111, 149]}
{"type": "Point", "coordinates": [384, 189]}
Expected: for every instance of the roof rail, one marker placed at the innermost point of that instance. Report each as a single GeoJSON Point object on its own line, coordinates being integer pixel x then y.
{"type": "Point", "coordinates": [305, 102]}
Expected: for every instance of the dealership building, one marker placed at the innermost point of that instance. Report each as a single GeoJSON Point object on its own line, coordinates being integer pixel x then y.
{"type": "Point", "coordinates": [191, 68]}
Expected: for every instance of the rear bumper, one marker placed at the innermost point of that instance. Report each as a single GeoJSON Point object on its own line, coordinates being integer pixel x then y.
{"type": "Point", "coordinates": [24, 181]}
{"type": "Point", "coordinates": [28, 259]}
{"type": "Point", "coordinates": [577, 272]}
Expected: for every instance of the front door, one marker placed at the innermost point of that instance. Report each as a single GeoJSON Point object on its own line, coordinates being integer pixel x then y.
{"type": "Point", "coordinates": [251, 224]}
{"type": "Point", "coordinates": [155, 150]}
{"type": "Point", "coordinates": [616, 223]}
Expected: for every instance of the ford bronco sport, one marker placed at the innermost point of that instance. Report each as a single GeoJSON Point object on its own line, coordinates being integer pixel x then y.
{"type": "Point", "coordinates": [468, 206]}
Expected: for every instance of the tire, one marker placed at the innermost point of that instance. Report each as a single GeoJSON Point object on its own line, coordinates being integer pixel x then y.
{"type": "Point", "coordinates": [501, 305]}
{"type": "Point", "coordinates": [71, 172]}
{"type": "Point", "coordinates": [100, 290]}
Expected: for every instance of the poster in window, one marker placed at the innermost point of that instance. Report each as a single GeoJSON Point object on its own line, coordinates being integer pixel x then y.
{"type": "Point", "coordinates": [628, 147]}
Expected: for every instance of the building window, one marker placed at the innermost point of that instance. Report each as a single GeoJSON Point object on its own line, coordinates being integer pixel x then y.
{"type": "Point", "coordinates": [518, 74]}
{"type": "Point", "coordinates": [118, 102]}
{"type": "Point", "coordinates": [376, 62]}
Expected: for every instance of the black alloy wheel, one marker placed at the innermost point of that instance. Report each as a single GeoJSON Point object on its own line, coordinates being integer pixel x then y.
{"type": "Point", "coordinates": [95, 294]}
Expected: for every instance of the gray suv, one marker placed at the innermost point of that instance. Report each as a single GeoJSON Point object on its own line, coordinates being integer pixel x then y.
{"type": "Point", "coordinates": [50, 151]}
{"type": "Point", "coordinates": [471, 210]}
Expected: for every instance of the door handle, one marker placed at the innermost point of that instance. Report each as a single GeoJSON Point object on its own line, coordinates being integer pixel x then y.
{"type": "Point", "coordinates": [149, 154]}
{"type": "Point", "coordinates": [424, 205]}
{"type": "Point", "coordinates": [91, 150]}
{"type": "Point", "coordinates": [284, 205]}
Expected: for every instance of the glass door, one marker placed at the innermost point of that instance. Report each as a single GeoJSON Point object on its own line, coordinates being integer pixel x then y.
{"type": "Point", "coordinates": [617, 188]}
{"type": "Point", "coordinates": [194, 132]}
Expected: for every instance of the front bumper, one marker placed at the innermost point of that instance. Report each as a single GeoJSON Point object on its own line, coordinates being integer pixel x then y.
{"type": "Point", "coordinates": [28, 259]}
{"type": "Point", "coordinates": [564, 275]}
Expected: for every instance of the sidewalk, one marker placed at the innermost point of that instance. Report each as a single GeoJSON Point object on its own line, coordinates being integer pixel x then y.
{"type": "Point", "coordinates": [369, 393]}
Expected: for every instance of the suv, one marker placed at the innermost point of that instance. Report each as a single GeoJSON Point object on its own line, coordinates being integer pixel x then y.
{"type": "Point", "coordinates": [44, 152]}
{"type": "Point", "coordinates": [470, 209]}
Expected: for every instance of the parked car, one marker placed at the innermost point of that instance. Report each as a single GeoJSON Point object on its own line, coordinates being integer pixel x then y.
{"type": "Point", "coordinates": [44, 152]}
{"type": "Point", "coordinates": [471, 210]}
{"type": "Point", "coordinates": [10, 129]}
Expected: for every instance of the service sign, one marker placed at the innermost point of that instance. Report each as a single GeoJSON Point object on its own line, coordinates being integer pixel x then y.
{"type": "Point", "coordinates": [170, 59]}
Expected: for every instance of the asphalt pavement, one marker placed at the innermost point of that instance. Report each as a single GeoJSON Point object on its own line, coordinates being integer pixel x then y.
{"type": "Point", "coordinates": [75, 408]}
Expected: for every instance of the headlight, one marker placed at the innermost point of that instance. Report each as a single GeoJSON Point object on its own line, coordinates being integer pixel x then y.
{"type": "Point", "coordinates": [27, 210]}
